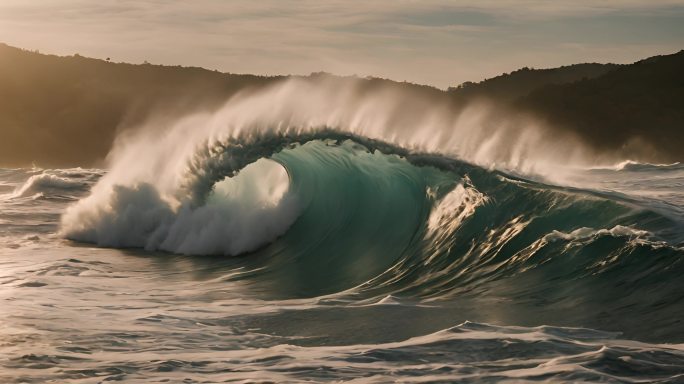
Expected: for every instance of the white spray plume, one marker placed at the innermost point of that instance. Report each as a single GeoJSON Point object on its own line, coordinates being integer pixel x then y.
{"type": "Point", "coordinates": [143, 200]}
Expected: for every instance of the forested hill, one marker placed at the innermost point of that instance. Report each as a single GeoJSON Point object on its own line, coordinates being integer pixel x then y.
{"type": "Point", "coordinates": [511, 86]}
{"type": "Point", "coordinates": [66, 111]}
{"type": "Point", "coordinates": [630, 105]}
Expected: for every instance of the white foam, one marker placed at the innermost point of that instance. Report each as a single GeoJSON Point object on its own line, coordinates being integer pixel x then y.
{"type": "Point", "coordinates": [242, 214]}
{"type": "Point", "coordinates": [452, 210]}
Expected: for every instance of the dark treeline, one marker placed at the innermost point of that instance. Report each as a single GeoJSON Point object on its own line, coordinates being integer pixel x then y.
{"type": "Point", "coordinates": [630, 107]}
{"type": "Point", "coordinates": [634, 111]}
{"type": "Point", "coordinates": [510, 87]}
{"type": "Point", "coordinates": [66, 111]}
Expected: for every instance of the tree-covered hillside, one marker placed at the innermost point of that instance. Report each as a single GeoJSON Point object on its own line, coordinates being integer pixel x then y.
{"type": "Point", "coordinates": [633, 105]}
{"type": "Point", "coordinates": [66, 111]}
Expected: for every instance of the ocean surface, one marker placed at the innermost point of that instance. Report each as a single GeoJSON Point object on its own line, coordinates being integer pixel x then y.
{"type": "Point", "coordinates": [330, 258]}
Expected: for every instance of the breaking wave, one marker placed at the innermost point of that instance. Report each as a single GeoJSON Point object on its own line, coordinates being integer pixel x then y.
{"type": "Point", "coordinates": [321, 210]}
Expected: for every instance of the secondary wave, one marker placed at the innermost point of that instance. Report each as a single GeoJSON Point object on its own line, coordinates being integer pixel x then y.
{"type": "Point", "coordinates": [54, 182]}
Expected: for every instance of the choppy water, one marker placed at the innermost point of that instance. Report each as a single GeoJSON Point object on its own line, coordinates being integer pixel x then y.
{"type": "Point", "coordinates": [348, 264]}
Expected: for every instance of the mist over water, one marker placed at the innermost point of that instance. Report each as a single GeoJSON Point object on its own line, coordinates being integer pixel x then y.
{"type": "Point", "coordinates": [312, 231]}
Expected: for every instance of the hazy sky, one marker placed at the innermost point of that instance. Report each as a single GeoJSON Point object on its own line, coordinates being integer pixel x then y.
{"type": "Point", "coordinates": [433, 42]}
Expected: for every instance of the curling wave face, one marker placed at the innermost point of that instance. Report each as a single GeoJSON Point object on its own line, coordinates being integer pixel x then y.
{"type": "Point", "coordinates": [340, 215]}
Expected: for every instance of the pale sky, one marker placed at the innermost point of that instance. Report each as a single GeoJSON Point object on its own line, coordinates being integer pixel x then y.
{"type": "Point", "coordinates": [434, 42]}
